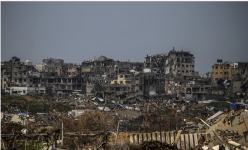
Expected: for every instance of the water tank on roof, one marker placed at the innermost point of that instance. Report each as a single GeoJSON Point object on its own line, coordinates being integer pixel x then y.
{"type": "Point", "coordinates": [219, 60]}
{"type": "Point", "coordinates": [27, 60]}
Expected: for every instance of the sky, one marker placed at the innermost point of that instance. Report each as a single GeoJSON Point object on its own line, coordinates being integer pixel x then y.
{"type": "Point", "coordinates": [124, 31]}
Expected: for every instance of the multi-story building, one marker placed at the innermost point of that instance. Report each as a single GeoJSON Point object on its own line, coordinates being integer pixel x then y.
{"type": "Point", "coordinates": [240, 78]}
{"type": "Point", "coordinates": [154, 63]}
{"type": "Point", "coordinates": [138, 78]}
{"type": "Point", "coordinates": [20, 77]}
{"type": "Point", "coordinates": [222, 71]}
{"type": "Point", "coordinates": [64, 77]}
{"type": "Point", "coordinates": [180, 63]}
{"type": "Point", "coordinates": [192, 88]}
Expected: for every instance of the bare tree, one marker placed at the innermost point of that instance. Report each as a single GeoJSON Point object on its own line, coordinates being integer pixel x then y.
{"type": "Point", "coordinates": [88, 128]}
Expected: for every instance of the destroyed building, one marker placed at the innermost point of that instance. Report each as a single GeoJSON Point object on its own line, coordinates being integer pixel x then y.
{"type": "Point", "coordinates": [222, 71]}
{"type": "Point", "coordinates": [191, 88]}
{"type": "Point", "coordinates": [240, 79]}
{"type": "Point", "coordinates": [180, 63]}
{"type": "Point", "coordinates": [160, 74]}
{"type": "Point", "coordinates": [64, 77]}
{"type": "Point", "coordinates": [154, 63]}
{"type": "Point", "coordinates": [20, 77]}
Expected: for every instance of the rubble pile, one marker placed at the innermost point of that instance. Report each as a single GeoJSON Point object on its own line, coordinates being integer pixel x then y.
{"type": "Point", "coordinates": [229, 135]}
{"type": "Point", "coordinates": [157, 145]}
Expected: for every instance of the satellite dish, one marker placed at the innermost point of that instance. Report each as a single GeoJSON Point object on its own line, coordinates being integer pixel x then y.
{"type": "Point", "coordinates": [39, 85]}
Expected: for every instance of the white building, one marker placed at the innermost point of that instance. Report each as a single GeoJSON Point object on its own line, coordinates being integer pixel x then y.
{"type": "Point", "coordinates": [25, 90]}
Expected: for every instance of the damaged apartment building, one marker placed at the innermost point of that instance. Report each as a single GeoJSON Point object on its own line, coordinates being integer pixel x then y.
{"type": "Point", "coordinates": [192, 88]}
{"type": "Point", "coordinates": [64, 77]}
{"type": "Point", "coordinates": [239, 74]}
{"type": "Point", "coordinates": [160, 68]}
{"type": "Point", "coordinates": [154, 76]}
{"type": "Point", "coordinates": [20, 77]}
{"type": "Point", "coordinates": [180, 63]}
{"type": "Point", "coordinates": [107, 72]}
{"type": "Point", "coordinates": [222, 71]}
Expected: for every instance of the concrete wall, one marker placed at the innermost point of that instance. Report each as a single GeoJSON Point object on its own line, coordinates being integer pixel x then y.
{"type": "Point", "coordinates": [185, 141]}
{"type": "Point", "coordinates": [89, 88]}
{"type": "Point", "coordinates": [40, 68]}
{"type": "Point", "coordinates": [236, 87]}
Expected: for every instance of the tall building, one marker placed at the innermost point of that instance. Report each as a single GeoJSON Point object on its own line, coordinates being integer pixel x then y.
{"type": "Point", "coordinates": [180, 63]}
{"type": "Point", "coordinates": [154, 63]}
{"type": "Point", "coordinates": [222, 70]}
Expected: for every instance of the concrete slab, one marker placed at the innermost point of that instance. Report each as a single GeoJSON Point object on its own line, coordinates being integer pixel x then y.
{"type": "Point", "coordinates": [246, 135]}
{"type": "Point", "coordinates": [234, 120]}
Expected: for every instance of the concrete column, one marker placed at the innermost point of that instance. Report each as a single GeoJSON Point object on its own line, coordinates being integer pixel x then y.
{"type": "Point", "coordinates": [191, 140]}
{"type": "Point", "coordinates": [140, 138]}
{"type": "Point", "coordinates": [159, 136]}
{"type": "Point", "coordinates": [154, 137]}
{"type": "Point", "coordinates": [163, 137]}
{"type": "Point", "coordinates": [131, 138]}
{"type": "Point", "coordinates": [182, 142]}
{"type": "Point", "coordinates": [167, 137]}
{"type": "Point", "coordinates": [149, 135]}
{"type": "Point", "coordinates": [145, 137]}
{"type": "Point", "coordinates": [195, 139]}
{"type": "Point", "coordinates": [187, 143]}
{"type": "Point", "coordinates": [172, 137]}
{"type": "Point", "coordinates": [135, 139]}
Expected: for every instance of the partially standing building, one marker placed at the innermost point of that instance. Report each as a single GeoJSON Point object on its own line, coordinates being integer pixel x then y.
{"type": "Point", "coordinates": [222, 71]}
{"type": "Point", "coordinates": [180, 63]}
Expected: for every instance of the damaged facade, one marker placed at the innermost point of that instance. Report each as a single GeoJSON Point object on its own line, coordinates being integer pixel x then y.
{"type": "Point", "coordinates": [160, 74]}
{"type": "Point", "coordinates": [222, 71]}
{"type": "Point", "coordinates": [240, 79]}
{"type": "Point", "coordinates": [180, 63]}
{"type": "Point", "coordinates": [16, 74]}
{"type": "Point", "coordinates": [162, 94]}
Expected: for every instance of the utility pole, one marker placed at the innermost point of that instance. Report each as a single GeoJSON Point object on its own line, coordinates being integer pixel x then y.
{"type": "Point", "coordinates": [37, 143]}
{"type": "Point", "coordinates": [52, 141]}
{"type": "Point", "coordinates": [25, 143]}
{"type": "Point", "coordinates": [117, 132]}
{"type": "Point", "coordinates": [62, 134]}
{"type": "Point", "coordinates": [126, 128]}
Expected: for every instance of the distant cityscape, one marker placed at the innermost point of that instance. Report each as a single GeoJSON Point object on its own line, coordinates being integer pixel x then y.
{"type": "Point", "coordinates": [140, 104]}
{"type": "Point", "coordinates": [169, 73]}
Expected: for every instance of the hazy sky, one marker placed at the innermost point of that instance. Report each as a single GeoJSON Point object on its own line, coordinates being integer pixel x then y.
{"type": "Point", "coordinates": [76, 31]}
